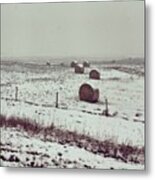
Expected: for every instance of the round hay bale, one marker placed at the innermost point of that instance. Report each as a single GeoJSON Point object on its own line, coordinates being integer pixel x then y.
{"type": "Point", "coordinates": [88, 93]}
{"type": "Point", "coordinates": [48, 64]}
{"type": "Point", "coordinates": [73, 63]}
{"type": "Point", "coordinates": [86, 64]}
{"type": "Point", "coordinates": [79, 69]}
{"type": "Point", "coordinates": [94, 74]}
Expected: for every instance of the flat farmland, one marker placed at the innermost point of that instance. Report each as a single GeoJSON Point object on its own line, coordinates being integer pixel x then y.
{"type": "Point", "coordinates": [28, 91]}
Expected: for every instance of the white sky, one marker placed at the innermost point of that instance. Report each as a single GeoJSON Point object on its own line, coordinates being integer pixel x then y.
{"type": "Point", "coordinates": [95, 29]}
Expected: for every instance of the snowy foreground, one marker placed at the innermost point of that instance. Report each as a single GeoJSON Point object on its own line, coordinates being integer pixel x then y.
{"type": "Point", "coordinates": [37, 86]}
{"type": "Point", "coordinates": [22, 150]}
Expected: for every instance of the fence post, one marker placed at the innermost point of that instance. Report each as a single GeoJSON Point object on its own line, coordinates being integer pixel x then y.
{"type": "Point", "coordinates": [106, 107]}
{"type": "Point", "coordinates": [16, 93]}
{"type": "Point", "coordinates": [56, 104]}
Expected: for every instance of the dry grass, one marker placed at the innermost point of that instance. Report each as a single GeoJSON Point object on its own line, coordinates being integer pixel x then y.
{"type": "Point", "coordinates": [107, 148]}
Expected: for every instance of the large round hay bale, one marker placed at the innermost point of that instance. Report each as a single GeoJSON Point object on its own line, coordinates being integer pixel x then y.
{"type": "Point", "coordinates": [48, 64]}
{"type": "Point", "coordinates": [94, 74]}
{"type": "Point", "coordinates": [88, 93]}
{"type": "Point", "coordinates": [86, 64]}
{"type": "Point", "coordinates": [73, 63]}
{"type": "Point", "coordinates": [79, 69]}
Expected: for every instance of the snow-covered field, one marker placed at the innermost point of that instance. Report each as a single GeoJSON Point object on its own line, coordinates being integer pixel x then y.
{"type": "Point", "coordinates": [37, 87]}
{"type": "Point", "coordinates": [22, 150]}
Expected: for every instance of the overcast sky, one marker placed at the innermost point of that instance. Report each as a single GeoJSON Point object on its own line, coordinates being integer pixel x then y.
{"type": "Point", "coordinates": [95, 29]}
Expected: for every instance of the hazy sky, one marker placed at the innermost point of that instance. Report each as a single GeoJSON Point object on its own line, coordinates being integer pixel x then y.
{"type": "Point", "coordinates": [95, 29]}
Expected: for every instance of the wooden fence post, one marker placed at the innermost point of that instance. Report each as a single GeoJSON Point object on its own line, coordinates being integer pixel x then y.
{"type": "Point", "coordinates": [56, 104]}
{"type": "Point", "coordinates": [106, 107]}
{"type": "Point", "coordinates": [16, 93]}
